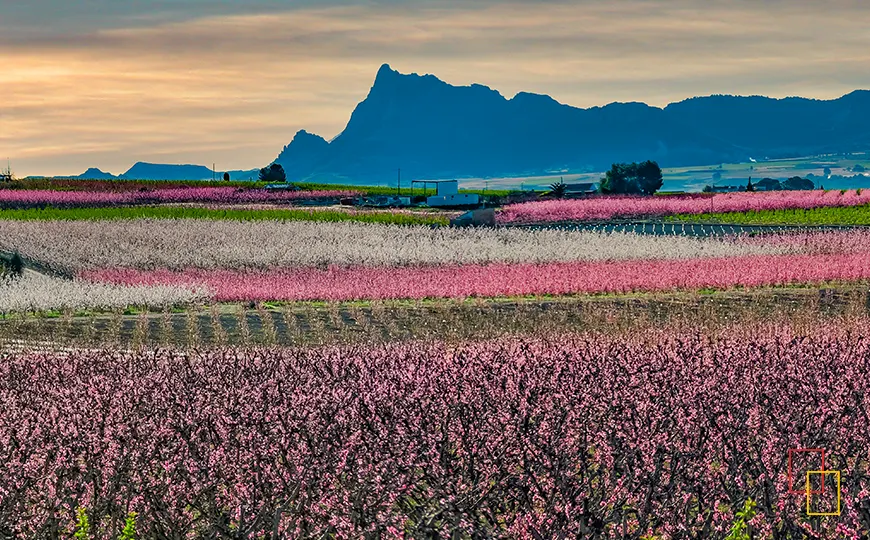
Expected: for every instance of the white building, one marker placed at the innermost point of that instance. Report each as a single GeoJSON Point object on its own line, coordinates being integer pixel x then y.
{"type": "Point", "coordinates": [447, 195]}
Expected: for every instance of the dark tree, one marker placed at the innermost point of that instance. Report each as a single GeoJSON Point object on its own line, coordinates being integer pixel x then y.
{"type": "Point", "coordinates": [558, 189]}
{"type": "Point", "coordinates": [768, 184]}
{"type": "Point", "coordinates": [858, 168]}
{"type": "Point", "coordinates": [13, 265]}
{"type": "Point", "coordinates": [226, 177]}
{"type": "Point", "coordinates": [749, 186]}
{"type": "Point", "coordinates": [16, 264]}
{"type": "Point", "coordinates": [273, 173]}
{"type": "Point", "coordinates": [617, 180]}
{"type": "Point", "coordinates": [632, 179]}
{"type": "Point", "coordinates": [797, 183]}
{"type": "Point", "coordinates": [649, 177]}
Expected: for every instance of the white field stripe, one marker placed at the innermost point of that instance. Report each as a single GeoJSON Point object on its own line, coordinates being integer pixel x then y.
{"type": "Point", "coordinates": [15, 347]}
{"type": "Point", "coordinates": [38, 292]}
{"type": "Point", "coordinates": [29, 346]}
{"type": "Point", "coordinates": [177, 244]}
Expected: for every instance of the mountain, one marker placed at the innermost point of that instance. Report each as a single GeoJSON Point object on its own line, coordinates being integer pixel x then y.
{"type": "Point", "coordinates": [431, 129]}
{"type": "Point", "coordinates": [781, 127]}
{"type": "Point", "coordinates": [91, 174]}
{"type": "Point", "coordinates": [303, 154]}
{"type": "Point", "coordinates": [95, 174]}
{"type": "Point", "coordinates": [154, 171]}
{"type": "Point", "coordinates": [159, 171]}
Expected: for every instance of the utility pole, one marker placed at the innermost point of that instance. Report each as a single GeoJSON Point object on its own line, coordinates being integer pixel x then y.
{"type": "Point", "coordinates": [399, 184]}
{"type": "Point", "coordinates": [213, 172]}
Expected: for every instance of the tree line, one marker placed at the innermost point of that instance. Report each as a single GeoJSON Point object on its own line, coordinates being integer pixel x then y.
{"type": "Point", "coordinates": [624, 179]}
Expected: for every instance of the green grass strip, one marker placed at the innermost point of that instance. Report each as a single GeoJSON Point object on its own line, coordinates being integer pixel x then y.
{"type": "Point", "coordinates": [849, 215]}
{"type": "Point", "coordinates": [180, 212]}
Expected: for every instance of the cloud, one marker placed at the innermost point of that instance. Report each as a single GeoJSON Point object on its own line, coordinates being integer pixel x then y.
{"type": "Point", "coordinates": [234, 86]}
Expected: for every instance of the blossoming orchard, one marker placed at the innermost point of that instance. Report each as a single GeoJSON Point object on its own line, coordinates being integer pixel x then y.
{"type": "Point", "coordinates": [200, 361]}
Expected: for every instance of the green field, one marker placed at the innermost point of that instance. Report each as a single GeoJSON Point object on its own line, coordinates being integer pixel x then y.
{"type": "Point", "coordinates": [180, 212]}
{"type": "Point", "coordinates": [850, 215]}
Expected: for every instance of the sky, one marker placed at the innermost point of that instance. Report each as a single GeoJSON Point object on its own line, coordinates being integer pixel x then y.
{"type": "Point", "coordinates": [106, 83]}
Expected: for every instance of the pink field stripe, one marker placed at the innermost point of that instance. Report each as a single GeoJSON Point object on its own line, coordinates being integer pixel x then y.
{"type": "Point", "coordinates": [604, 208]}
{"type": "Point", "coordinates": [504, 280]}
{"type": "Point", "coordinates": [15, 197]}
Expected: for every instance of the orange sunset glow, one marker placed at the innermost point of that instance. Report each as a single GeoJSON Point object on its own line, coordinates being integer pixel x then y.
{"type": "Point", "coordinates": [231, 82]}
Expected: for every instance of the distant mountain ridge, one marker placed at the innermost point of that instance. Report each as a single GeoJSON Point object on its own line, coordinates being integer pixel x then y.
{"type": "Point", "coordinates": [432, 130]}
{"type": "Point", "coordinates": [159, 171]}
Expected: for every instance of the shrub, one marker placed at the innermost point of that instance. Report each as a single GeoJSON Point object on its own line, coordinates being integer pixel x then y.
{"type": "Point", "coordinates": [83, 527]}
{"type": "Point", "coordinates": [129, 531]}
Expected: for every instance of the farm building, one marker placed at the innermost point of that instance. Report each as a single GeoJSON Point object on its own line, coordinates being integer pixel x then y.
{"type": "Point", "coordinates": [447, 194]}
{"type": "Point", "coordinates": [580, 190]}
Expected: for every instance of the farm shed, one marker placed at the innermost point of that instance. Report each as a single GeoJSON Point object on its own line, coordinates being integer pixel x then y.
{"type": "Point", "coordinates": [447, 194]}
{"type": "Point", "coordinates": [580, 190]}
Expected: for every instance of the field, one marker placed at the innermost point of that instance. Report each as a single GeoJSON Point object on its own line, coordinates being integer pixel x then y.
{"type": "Point", "coordinates": [634, 207]}
{"type": "Point", "coordinates": [238, 213]}
{"type": "Point", "coordinates": [681, 179]}
{"type": "Point", "coordinates": [856, 215]}
{"type": "Point", "coordinates": [124, 186]}
{"type": "Point", "coordinates": [32, 198]}
{"type": "Point", "coordinates": [237, 367]}
{"type": "Point", "coordinates": [614, 434]}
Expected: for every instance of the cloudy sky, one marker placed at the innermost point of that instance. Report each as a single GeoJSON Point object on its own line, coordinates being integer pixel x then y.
{"type": "Point", "coordinates": [108, 82]}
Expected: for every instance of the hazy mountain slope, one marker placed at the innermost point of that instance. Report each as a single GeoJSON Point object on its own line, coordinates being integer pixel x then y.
{"type": "Point", "coordinates": [781, 127]}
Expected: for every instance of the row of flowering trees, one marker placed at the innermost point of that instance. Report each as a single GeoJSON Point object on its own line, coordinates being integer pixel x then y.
{"type": "Point", "coordinates": [630, 207]}
{"type": "Point", "coordinates": [658, 435]}
{"type": "Point", "coordinates": [38, 198]}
